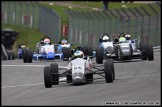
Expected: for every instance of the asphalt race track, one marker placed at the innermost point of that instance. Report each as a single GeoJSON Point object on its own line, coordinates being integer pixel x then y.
{"type": "Point", "coordinates": [137, 83]}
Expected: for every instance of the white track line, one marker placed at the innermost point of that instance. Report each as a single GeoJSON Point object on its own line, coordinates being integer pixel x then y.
{"type": "Point", "coordinates": [29, 66]}
{"type": "Point", "coordinates": [21, 85]}
{"type": "Point", "coordinates": [62, 79]}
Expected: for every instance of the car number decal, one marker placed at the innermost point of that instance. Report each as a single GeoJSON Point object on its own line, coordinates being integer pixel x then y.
{"type": "Point", "coordinates": [77, 67]}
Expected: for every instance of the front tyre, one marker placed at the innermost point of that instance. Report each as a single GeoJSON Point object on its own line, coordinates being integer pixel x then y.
{"type": "Point", "coordinates": [66, 53]}
{"type": "Point", "coordinates": [25, 55]}
{"type": "Point", "coordinates": [150, 53]}
{"type": "Point", "coordinates": [144, 51]}
{"type": "Point", "coordinates": [99, 55]}
{"type": "Point", "coordinates": [108, 70]}
{"type": "Point", "coordinates": [47, 77]}
{"type": "Point", "coordinates": [55, 74]}
{"type": "Point", "coordinates": [30, 56]}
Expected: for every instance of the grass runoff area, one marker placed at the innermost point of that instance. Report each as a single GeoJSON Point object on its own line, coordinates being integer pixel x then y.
{"type": "Point", "coordinates": [30, 37]}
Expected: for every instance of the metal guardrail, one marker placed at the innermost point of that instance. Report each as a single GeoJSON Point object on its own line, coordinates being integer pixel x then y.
{"type": "Point", "coordinates": [157, 48]}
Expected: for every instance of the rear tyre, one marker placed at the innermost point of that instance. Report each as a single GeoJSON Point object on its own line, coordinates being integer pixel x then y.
{"type": "Point", "coordinates": [90, 52]}
{"type": "Point", "coordinates": [25, 55]}
{"type": "Point", "coordinates": [66, 53]}
{"type": "Point", "coordinates": [55, 74]}
{"type": "Point", "coordinates": [144, 51]}
{"type": "Point", "coordinates": [47, 77]}
{"type": "Point", "coordinates": [30, 56]}
{"type": "Point", "coordinates": [108, 70]}
{"type": "Point", "coordinates": [85, 50]}
{"type": "Point", "coordinates": [150, 53]}
{"type": "Point", "coordinates": [99, 55]}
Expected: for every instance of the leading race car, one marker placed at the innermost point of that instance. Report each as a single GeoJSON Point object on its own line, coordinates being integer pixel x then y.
{"type": "Point", "coordinates": [80, 69]}
{"type": "Point", "coordinates": [64, 48]}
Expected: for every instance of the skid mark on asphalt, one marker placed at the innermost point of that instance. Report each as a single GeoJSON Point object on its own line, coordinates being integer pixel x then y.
{"type": "Point", "coordinates": [63, 79]}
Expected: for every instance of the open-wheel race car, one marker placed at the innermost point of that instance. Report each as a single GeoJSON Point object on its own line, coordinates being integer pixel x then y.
{"type": "Point", "coordinates": [80, 69]}
{"type": "Point", "coordinates": [122, 49]}
{"type": "Point", "coordinates": [64, 48]}
{"type": "Point", "coordinates": [47, 51]}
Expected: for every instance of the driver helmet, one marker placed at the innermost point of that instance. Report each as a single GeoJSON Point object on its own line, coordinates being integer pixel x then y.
{"type": "Point", "coordinates": [46, 41]}
{"type": "Point", "coordinates": [122, 39]}
{"type": "Point", "coordinates": [79, 54]}
{"type": "Point", "coordinates": [128, 36]}
{"type": "Point", "coordinates": [105, 39]}
{"type": "Point", "coordinates": [64, 42]}
{"type": "Point", "coordinates": [23, 46]}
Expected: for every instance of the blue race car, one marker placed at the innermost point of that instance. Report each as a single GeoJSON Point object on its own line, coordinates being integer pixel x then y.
{"type": "Point", "coordinates": [64, 48]}
{"type": "Point", "coordinates": [47, 52]}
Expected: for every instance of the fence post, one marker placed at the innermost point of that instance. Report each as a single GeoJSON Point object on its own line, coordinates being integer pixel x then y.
{"type": "Point", "coordinates": [128, 29]}
{"type": "Point", "coordinates": [157, 19]}
{"type": "Point", "coordinates": [14, 13]}
{"type": "Point", "coordinates": [136, 18]}
{"type": "Point", "coordinates": [148, 23]}
{"type": "Point", "coordinates": [122, 19]}
{"type": "Point", "coordinates": [142, 23]}
{"type": "Point", "coordinates": [20, 4]}
{"type": "Point", "coordinates": [116, 28]}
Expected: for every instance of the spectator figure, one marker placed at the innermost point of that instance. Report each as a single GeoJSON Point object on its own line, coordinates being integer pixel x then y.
{"type": "Point", "coordinates": [105, 3]}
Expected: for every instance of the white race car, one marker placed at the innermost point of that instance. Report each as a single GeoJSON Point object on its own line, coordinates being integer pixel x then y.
{"type": "Point", "coordinates": [79, 70]}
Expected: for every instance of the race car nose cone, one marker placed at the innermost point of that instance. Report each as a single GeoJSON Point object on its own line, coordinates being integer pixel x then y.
{"type": "Point", "coordinates": [77, 80]}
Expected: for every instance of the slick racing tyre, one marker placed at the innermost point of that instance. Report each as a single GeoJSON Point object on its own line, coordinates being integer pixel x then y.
{"type": "Point", "coordinates": [150, 53]}
{"type": "Point", "coordinates": [99, 55]}
{"type": "Point", "coordinates": [55, 74]}
{"type": "Point", "coordinates": [25, 55]}
{"type": "Point", "coordinates": [144, 51]}
{"type": "Point", "coordinates": [87, 50]}
{"type": "Point", "coordinates": [30, 56]}
{"type": "Point", "coordinates": [47, 77]}
{"type": "Point", "coordinates": [66, 53]}
{"type": "Point", "coordinates": [108, 69]}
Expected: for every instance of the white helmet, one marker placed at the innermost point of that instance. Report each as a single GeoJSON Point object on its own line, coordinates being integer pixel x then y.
{"type": "Point", "coordinates": [79, 54]}
{"type": "Point", "coordinates": [127, 37]}
{"type": "Point", "coordinates": [105, 39]}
